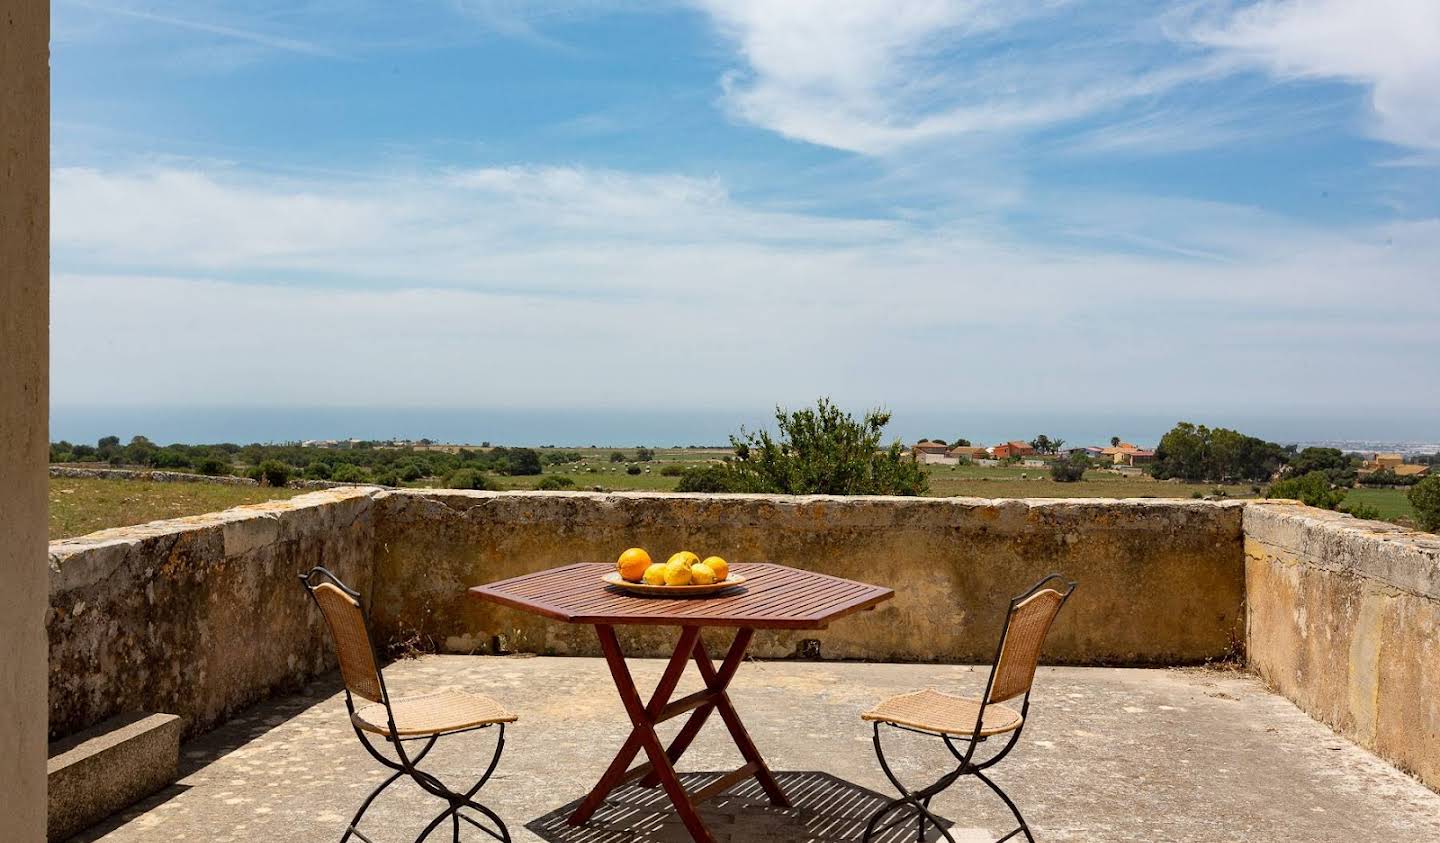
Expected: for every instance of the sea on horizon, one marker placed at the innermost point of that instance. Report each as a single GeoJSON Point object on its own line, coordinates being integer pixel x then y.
{"type": "Point", "coordinates": [628, 428]}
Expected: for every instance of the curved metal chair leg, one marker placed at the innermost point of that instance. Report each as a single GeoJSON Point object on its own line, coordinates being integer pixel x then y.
{"type": "Point", "coordinates": [1010, 803]}
{"type": "Point", "coordinates": [919, 800]}
{"type": "Point", "coordinates": [351, 830]}
{"type": "Point", "coordinates": [459, 800]}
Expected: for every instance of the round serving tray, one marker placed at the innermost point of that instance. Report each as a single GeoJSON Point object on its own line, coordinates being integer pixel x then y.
{"type": "Point", "coordinates": [614, 578]}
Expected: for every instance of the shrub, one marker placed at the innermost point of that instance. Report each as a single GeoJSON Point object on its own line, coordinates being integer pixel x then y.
{"type": "Point", "coordinates": [411, 472]}
{"type": "Point", "coordinates": [1386, 477]}
{"type": "Point", "coordinates": [1069, 470]}
{"type": "Point", "coordinates": [271, 473]}
{"type": "Point", "coordinates": [555, 483]}
{"type": "Point", "coordinates": [1425, 497]}
{"type": "Point", "coordinates": [824, 451]}
{"type": "Point", "coordinates": [213, 466]}
{"type": "Point", "coordinates": [632, 470]}
{"type": "Point", "coordinates": [319, 471]}
{"type": "Point", "coordinates": [349, 473]}
{"type": "Point", "coordinates": [710, 478]}
{"type": "Point", "coordinates": [616, 456]}
{"type": "Point", "coordinates": [644, 454]}
{"type": "Point", "coordinates": [672, 470]}
{"type": "Point", "coordinates": [469, 478]}
{"type": "Point", "coordinates": [1312, 489]}
{"type": "Point", "coordinates": [1363, 511]}
{"type": "Point", "coordinates": [388, 477]}
{"type": "Point", "coordinates": [561, 457]}
{"type": "Point", "coordinates": [167, 458]}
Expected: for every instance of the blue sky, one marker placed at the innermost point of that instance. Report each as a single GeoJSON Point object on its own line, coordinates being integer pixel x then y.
{"type": "Point", "coordinates": [1204, 207]}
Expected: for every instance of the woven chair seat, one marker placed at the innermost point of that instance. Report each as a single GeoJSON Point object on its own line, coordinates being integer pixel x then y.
{"type": "Point", "coordinates": [433, 714]}
{"type": "Point", "coordinates": [933, 711]}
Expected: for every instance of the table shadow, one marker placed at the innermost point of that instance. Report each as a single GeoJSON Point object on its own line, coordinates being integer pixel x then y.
{"type": "Point", "coordinates": [826, 808]}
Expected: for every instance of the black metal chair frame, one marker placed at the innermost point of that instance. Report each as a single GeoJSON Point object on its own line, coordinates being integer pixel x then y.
{"type": "Point", "coordinates": [919, 800]}
{"type": "Point", "coordinates": [406, 765]}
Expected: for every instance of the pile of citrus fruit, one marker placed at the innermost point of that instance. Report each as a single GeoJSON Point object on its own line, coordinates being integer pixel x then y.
{"type": "Point", "coordinates": [683, 568]}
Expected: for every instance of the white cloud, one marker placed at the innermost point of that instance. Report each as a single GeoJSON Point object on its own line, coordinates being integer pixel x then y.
{"type": "Point", "coordinates": [1390, 46]}
{"type": "Point", "coordinates": [550, 286]}
{"type": "Point", "coordinates": [877, 76]}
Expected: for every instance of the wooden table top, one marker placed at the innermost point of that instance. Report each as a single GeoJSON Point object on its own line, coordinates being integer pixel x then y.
{"type": "Point", "coordinates": [772, 597]}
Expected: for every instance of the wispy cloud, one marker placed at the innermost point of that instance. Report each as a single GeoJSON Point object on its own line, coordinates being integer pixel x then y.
{"type": "Point", "coordinates": [1391, 47]}
{"type": "Point", "coordinates": [236, 33]}
{"type": "Point", "coordinates": [714, 299]}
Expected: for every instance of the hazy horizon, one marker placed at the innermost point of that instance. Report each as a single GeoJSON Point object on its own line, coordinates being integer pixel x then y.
{"type": "Point", "coordinates": [579, 427]}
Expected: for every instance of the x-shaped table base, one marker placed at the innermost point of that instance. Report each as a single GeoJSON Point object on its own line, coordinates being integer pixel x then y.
{"type": "Point", "coordinates": [645, 716]}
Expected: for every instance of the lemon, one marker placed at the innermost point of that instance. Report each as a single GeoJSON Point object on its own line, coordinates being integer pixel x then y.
{"type": "Point", "coordinates": [677, 572]}
{"type": "Point", "coordinates": [633, 563]}
{"type": "Point", "coordinates": [655, 574]}
{"type": "Point", "coordinates": [701, 574]}
{"type": "Point", "coordinates": [719, 566]}
{"type": "Point", "coordinates": [685, 557]}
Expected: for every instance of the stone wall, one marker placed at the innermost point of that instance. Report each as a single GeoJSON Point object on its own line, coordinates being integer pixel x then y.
{"type": "Point", "coordinates": [1161, 582]}
{"type": "Point", "coordinates": [189, 477]}
{"type": "Point", "coordinates": [198, 616]}
{"type": "Point", "coordinates": [1344, 619]}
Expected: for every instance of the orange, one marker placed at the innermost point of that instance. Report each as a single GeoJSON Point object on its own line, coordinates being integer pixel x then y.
{"type": "Point", "coordinates": [632, 564]}
{"type": "Point", "coordinates": [719, 566]}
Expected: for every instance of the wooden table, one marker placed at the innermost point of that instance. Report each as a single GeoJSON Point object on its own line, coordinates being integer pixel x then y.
{"type": "Point", "coordinates": [772, 597]}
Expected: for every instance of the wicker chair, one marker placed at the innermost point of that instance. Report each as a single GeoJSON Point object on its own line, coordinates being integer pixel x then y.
{"type": "Point", "coordinates": [973, 721]}
{"type": "Point", "coordinates": [398, 720]}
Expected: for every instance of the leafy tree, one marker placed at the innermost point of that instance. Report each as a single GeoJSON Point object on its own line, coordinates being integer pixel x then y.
{"type": "Point", "coordinates": [213, 465]}
{"type": "Point", "coordinates": [1041, 444]}
{"type": "Point", "coordinates": [1312, 489]}
{"type": "Point", "coordinates": [349, 473]}
{"type": "Point", "coordinates": [1056, 444]}
{"type": "Point", "coordinates": [518, 461]}
{"type": "Point", "coordinates": [962, 443]}
{"type": "Point", "coordinates": [388, 477]}
{"type": "Point", "coordinates": [108, 442]}
{"type": "Point", "coordinates": [555, 483]}
{"type": "Point", "coordinates": [938, 441]}
{"type": "Point", "coordinates": [318, 470]}
{"type": "Point", "coordinates": [1425, 498]}
{"type": "Point", "coordinates": [1070, 469]}
{"type": "Point", "coordinates": [411, 472]}
{"type": "Point", "coordinates": [469, 478]}
{"type": "Point", "coordinates": [83, 452]}
{"type": "Point", "coordinates": [1114, 441]}
{"type": "Point", "coordinates": [1386, 477]}
{"type": "Point", "coordinates": [616, 456]}
{"type": "Point", "coordinates": [1339, 467]}
{"type": "Point", "coordinates": [825, 451]}
{"type": "Point", "coordinates": [169, 458]}
{"type": "Point", "coordinates": [644, 454]}
{"type": "Point", "coordinates": [271, 473]}
{"type": "Point", "coordinates": [1198, 453]}
{"type": "Point", "coordinates": [560, 457]}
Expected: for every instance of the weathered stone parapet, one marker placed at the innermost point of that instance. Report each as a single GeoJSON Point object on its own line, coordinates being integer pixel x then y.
{"type": "Point", "coordinates": [199, 616]}
{"type": "Point", "coordinates": [1344, 619]}
{"type": "Point", "coordinates": [1161, 581]}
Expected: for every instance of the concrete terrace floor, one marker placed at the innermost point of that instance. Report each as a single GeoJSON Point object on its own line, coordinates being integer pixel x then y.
{"type": "Point", "coordinates": [1109, 754]}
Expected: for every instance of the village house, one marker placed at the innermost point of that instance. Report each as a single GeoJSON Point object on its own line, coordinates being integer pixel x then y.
{"type": "Point", "coordinates": [969, 452]}
{"type": "Point", "coordinates": [927, 452]}
{"type": "Point", "coordinates": [1013, 448]}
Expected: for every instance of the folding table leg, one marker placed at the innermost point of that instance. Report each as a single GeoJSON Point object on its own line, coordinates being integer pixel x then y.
{"type": "Point", "coordinates": [642, 719]}
{"type": "Point", "coordinates": [719, 682]}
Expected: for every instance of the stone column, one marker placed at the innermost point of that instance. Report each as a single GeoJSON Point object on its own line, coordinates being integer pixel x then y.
{"type": "Point", "coordinates": [24, 412]}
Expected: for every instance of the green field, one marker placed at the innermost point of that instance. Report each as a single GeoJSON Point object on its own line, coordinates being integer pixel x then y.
{"type": "Point", "coordinates": [596, 471]}
{"type": "Point", "coordinates": [80, 506]}
{"type": "Point", "coordinates": [1392, 503]}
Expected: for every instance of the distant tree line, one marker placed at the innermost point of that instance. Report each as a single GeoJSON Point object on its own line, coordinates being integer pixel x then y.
{"type": "Point", "coordinates": [276, 465]}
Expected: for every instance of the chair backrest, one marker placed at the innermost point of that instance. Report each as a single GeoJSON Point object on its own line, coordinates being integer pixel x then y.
{"type": "Point", "coordinates": [341, 608]}
{"type": "Point", "coordinates": [1026, 625]}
